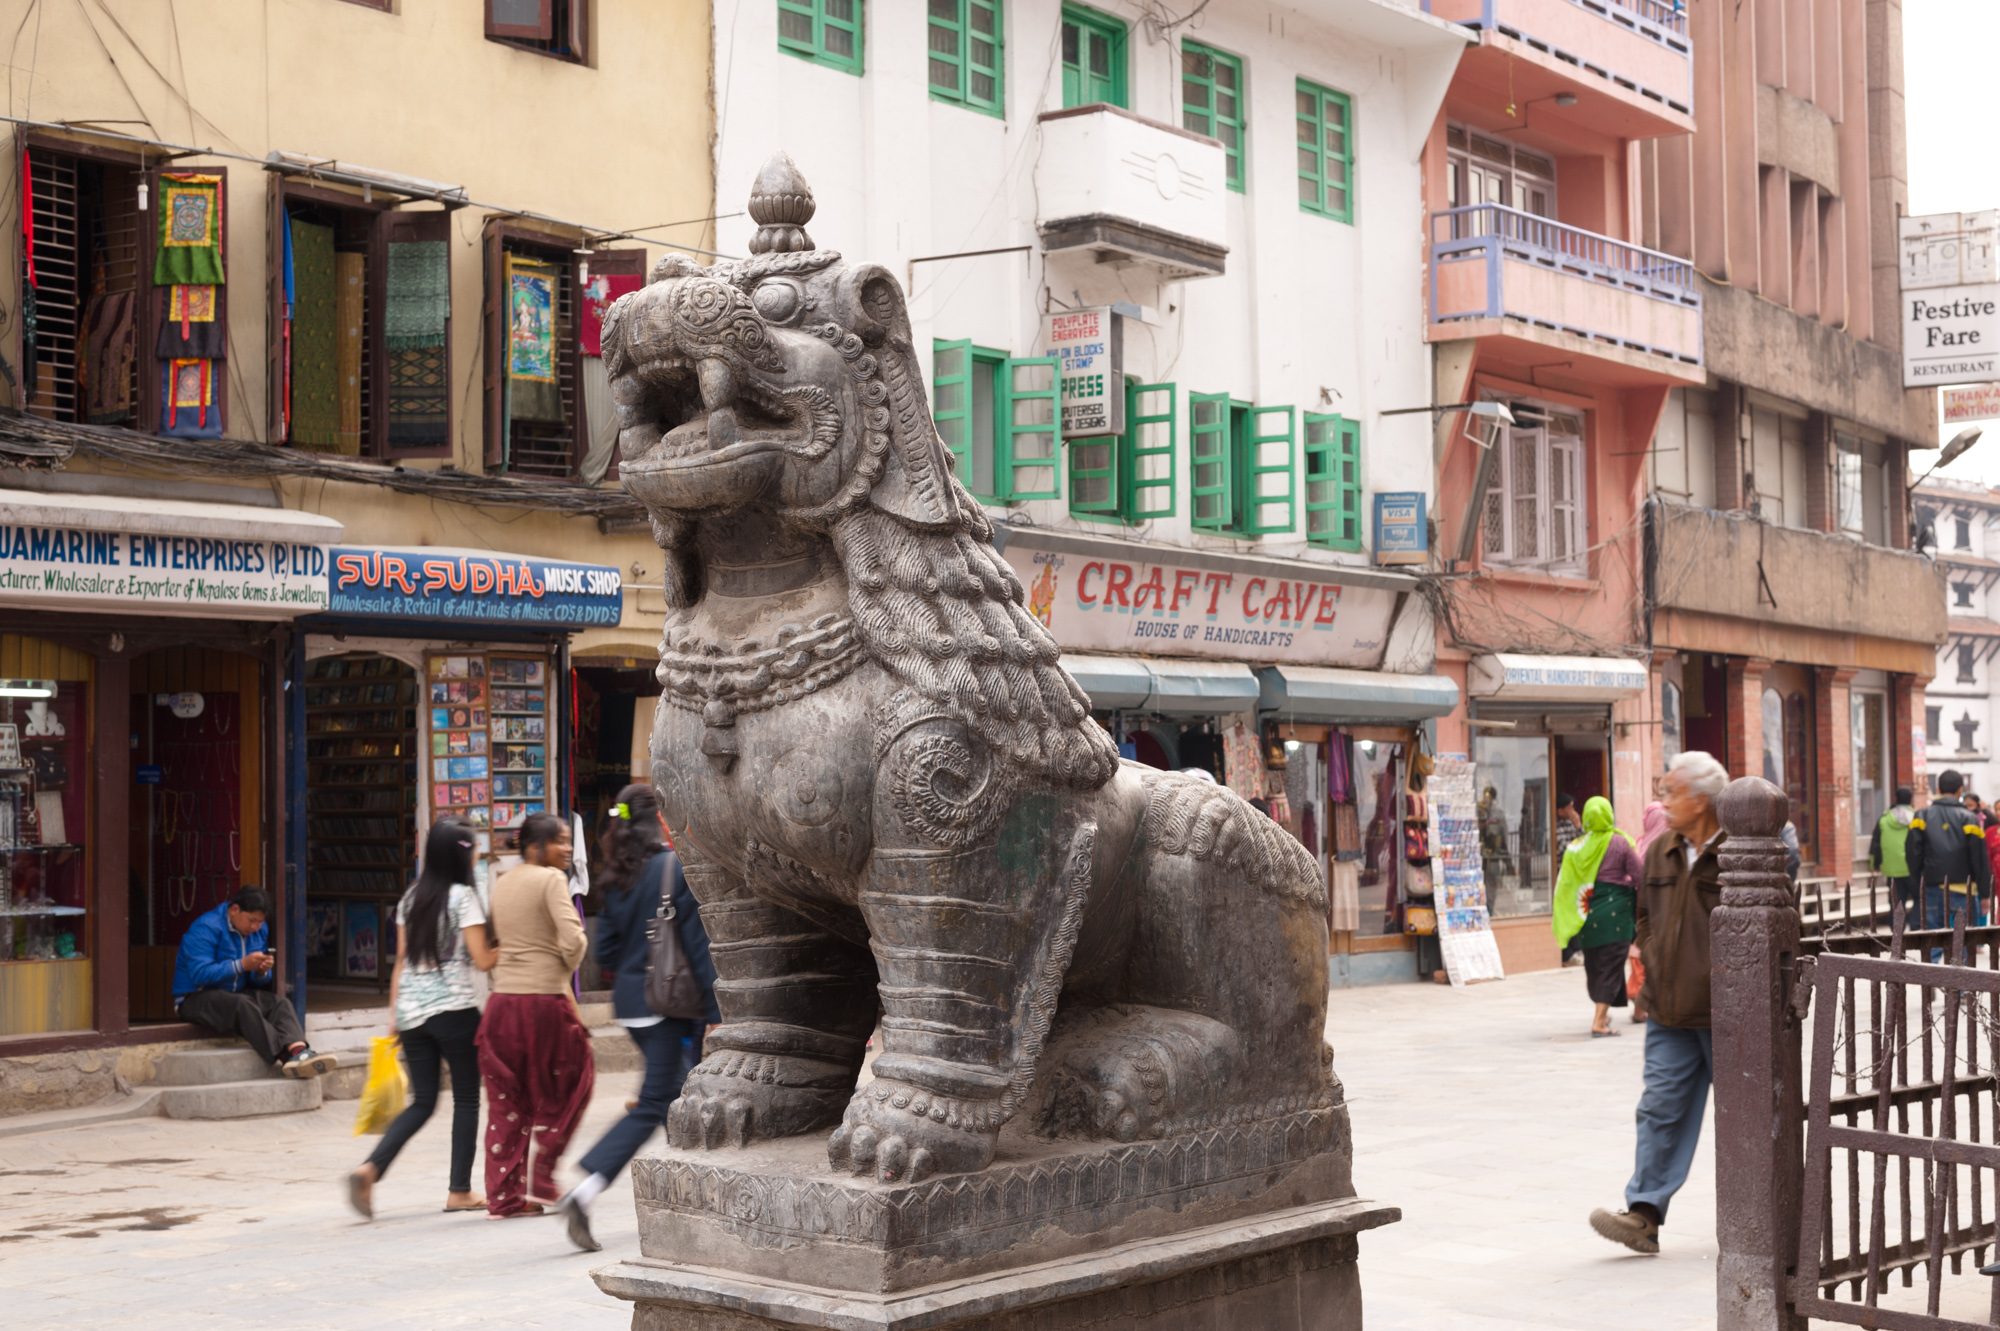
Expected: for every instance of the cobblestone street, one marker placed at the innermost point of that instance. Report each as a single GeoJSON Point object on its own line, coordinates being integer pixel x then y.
{"type": "Point", "coordinates": [1487, 1115]}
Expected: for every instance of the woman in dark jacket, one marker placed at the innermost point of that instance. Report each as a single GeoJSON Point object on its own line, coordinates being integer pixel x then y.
{"type": "Point", "coordinates": [638, 868]}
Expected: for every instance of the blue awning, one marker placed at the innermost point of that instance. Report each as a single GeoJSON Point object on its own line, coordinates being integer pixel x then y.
{"type": "Point", "coordinates": [1113, 682]}
{"type": "Point", "coordinates": [1201, 688]}
{"type": "Point", "coordinates": [1321, 693]}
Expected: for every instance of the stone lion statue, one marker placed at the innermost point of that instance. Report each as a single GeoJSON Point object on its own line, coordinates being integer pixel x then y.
{"type": "Point", "coordinates": [890, 798]}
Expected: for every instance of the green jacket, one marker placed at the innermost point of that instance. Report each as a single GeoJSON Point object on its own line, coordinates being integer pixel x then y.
{"type": "Point", "coordinates": [1885, 849]}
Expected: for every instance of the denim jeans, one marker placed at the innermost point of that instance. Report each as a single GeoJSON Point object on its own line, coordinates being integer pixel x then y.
{"type": "Point", "coordinates": [446, 1038]}
{"type": "Point", "coordinates": [1680, 1065]}
{"type": "Point", "coordinates": [671, 1048]}
{"type": "Point", "coordinates": [1942, 909]}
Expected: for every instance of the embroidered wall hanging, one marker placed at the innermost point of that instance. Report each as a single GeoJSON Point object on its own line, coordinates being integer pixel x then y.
{"type": "Point", "coordinates": [109, 348]}
{"type": "Point", "coordinates": [315, 372]}
{"type": "Point", "coordinates": [532, 394]}
{"type": "Point", "coordinates": [190, 239]}
{"type": "Point", "coordinates": [193, 326]}
{"type": "Point", "coordinates": [419, 295]}
{"type": "Point", "coordinates": [350, 282]}
{"type": "Point", "coordinates": [602, 289]}
{"type": "Point", "coordinates": [189, 409]}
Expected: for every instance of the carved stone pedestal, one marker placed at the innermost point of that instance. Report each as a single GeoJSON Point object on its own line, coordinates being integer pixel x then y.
{"type": "Point", "coordinates": [1236, 1227]}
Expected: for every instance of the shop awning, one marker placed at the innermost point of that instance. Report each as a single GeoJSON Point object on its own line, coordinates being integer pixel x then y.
{"type": "Point", "coordinates": [1113, 682]}
{"type": "Point", "coordinates": [1554, 678]}
{"type": "Point", "coordinates": [1321, 693]}
{"type": "Point", "coordinates": [166, 517]}
{"type": "Point", "coordinates": [1201, 687]}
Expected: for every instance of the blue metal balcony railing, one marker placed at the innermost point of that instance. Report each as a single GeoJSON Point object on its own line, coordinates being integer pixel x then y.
{"type": "Point", "coordinates": [1668, 15]}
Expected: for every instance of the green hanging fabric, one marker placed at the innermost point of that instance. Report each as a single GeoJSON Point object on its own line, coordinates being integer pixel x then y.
{"type": "Point", "coordinates": [315, 339]}
{"type": "Point", "coordinates": [189, 250]}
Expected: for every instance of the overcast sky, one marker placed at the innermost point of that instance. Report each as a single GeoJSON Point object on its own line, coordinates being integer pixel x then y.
{"type": "Point", "coordinates": [1948, 48]}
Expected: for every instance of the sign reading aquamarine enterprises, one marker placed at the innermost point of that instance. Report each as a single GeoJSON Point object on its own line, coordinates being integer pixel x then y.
{"type": "Point", "coordinates": [1980, 402]}
{"type": "Point", "coordinates": [1950, 273]}
{"type": "Point", "coordinates": [1087, 348]}
{"type": "Point", "coordinates": [1097, 604]}
{"type": "Point", "coordinates": [86, 569]}
{"type": "Point", "coordinates": [472, 587]}
{"type": "Point", "coordinates": [1402, 534]}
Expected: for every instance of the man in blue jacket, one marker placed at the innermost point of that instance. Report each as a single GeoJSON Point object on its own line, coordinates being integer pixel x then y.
{"type": "Point", "coordinates": [225, 979]}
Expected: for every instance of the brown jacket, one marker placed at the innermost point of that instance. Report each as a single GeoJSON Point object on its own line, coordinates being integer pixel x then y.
{"type": "Point", "coordinates": [1674, 905]}
{"type": "Point", "coordinates": [541, 939]}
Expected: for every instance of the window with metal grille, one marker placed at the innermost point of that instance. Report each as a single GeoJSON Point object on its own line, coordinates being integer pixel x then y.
{"type": "Point", "coordinates": [549, 444]}
{"type": "Point", "coordinates": [1134, 476]}
{"type": "Point", "coordinates": [965, 54]}
{"type": "Point", "coordinates": [1326, 151]}
{"type": "Point", "coordinates": [558, 28]}
{"type": "Point", "coordinates": [93, 296]}
{"type": "Point", "coordinates": [1240, 459]}
{"type": "Point", "coordinates": [1536, 514]}
{"type": "Point", "coordinates": [1093, 58]}
{"type": "Point", "coordinates": [1333, 481]}
{"type": "Point", "coordinates": [825, 31]}
{"type": "Point", "coordinates": [1212, 101]}
{"type": "Point", "coordinates": [1000, 417]}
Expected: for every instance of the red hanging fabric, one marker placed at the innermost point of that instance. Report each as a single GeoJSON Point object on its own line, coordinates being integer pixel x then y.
{"type": "Point", "coordinates": [28, 214]}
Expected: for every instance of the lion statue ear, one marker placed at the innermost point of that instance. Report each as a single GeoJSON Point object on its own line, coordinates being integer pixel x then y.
{"type": "Point", "coordinates": [917, 483]}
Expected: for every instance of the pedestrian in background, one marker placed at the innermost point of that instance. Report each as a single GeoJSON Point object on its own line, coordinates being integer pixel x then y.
{"type": "Point", "coordinates": [1886, 851]}
{"type": "Point", "coordinates": [1568, 827]}
{"type": "Point", "coordinates": [1681, 886]}
{"type": "Point", "coordinates": [636, 875]}
{"type": "Point", "coordinates": [1992, 863]}
{"type": "Point", "coordinates": [1946, 852]}
{"type": "Point", "coordinates": [434, 1011]}
{"type": "Point", "coordinates": [1595, 896]}
{"type": "Point", "coordinates": [1653, 824]}
{"type": "Point", "coordinates": [534, 1052]}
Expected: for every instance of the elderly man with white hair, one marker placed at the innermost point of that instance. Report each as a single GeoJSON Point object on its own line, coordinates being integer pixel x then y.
{"type": "Point", "coordinates": [1682, 885]}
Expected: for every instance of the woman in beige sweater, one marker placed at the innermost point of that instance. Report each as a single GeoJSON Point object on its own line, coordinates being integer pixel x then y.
{"type": "Point", "coordinates": [534, 1053]}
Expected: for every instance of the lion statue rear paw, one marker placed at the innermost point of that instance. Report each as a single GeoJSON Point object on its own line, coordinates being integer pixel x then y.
{"type": "Point", "coordinates": [1129, 1073]}
{"type": "Point", "coordinates": [733, 1098]}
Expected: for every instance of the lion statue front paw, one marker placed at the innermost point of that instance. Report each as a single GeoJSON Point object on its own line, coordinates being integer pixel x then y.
{"type": "Point", "coordinates": [733, 1099]}
{"type": "Point", "coordinates": [900, 1133]}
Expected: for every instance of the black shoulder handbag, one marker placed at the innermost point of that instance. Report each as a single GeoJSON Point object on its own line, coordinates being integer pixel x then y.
{"type": "Point", "coordinates": [671, 987]}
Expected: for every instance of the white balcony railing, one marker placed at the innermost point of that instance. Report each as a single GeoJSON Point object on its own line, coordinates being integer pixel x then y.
{"type": "Point", "coordinates": [1130, 189]}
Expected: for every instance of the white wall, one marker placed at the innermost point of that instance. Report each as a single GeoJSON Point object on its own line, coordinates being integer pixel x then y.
{"type": "Point", "coordinates": [1979, 699]}
{"type": "Point", "coordinates": [1313, 313]}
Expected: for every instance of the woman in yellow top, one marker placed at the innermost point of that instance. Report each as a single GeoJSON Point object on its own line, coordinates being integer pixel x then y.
{"type": "Point", "coordinates": [534, 1053]}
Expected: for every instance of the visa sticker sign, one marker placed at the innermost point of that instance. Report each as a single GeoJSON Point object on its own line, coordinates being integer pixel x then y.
{"type": "Point", "coordinates": [1949, 269]}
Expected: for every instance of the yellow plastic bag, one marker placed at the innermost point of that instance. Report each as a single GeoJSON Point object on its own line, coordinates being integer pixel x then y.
{"type": "Point", "coordinates": [382, 1098]}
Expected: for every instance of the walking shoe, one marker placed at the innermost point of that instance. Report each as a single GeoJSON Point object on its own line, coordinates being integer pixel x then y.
{"type": "Point", "coordinates": [576, 1223]}
{"type": "Point", "coordinates": [306, 1063]}
{"type": "Point", "coordinates": [1629, 1228]}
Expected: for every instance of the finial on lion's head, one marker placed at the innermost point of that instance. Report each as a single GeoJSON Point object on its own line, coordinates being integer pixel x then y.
{"type": "Point", "coordinates": [781, 203]}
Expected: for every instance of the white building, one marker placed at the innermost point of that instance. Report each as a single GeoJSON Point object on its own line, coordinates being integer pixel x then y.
{"type": "Point", "coordinates": [1960, 522]}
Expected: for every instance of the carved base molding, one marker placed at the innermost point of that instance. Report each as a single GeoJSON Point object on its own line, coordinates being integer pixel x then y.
{"type": "Point", "coordinates": [778, 1211]}
{"type": "Point", "coordinates": [1291, 1270]}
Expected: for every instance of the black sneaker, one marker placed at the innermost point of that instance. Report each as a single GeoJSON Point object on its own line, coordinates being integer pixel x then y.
{"type": "Point", "coordinates": [576, 1222]}
{"type": "Point", "coordinates": [306, 1064]}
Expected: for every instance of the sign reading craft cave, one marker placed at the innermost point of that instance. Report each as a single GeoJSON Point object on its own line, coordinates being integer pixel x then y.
{"type": "Point", "coordinates": [1097, 604]}
{"type": "Point", "coordinates": [472, 586]}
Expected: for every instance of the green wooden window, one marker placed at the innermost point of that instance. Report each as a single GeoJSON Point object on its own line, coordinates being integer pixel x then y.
{"type": "Point", "coordinates": [1212, 478]}
{"type": "Point", "coordinates": [1265, 500]}
{"type": "Point", "coordinates": [1326, 151]}
{"type": "Point", "coordinates": [1333, 481]}
{"type": "Point", "coordinates": [1000, 418]}
{"type": "Point", "coordinates": [965, 53]}
{"type": "Point", "coordinates": [828, 31]}
{"type": "Point", "coordinates": [1212, 101]}
{"type": "Point", "coordinates": [1151, 472]}
{"type": "Point", "coordinates": [1093, 57]}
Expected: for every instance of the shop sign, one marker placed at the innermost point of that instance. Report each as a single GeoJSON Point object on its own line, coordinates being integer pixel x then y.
{"type": "Point", "coordinates": [1402, 534]}
{"type": "Point", "coordinates": [1555, 678]}
{"type": "Point", "coordinates": [1950, 272]}
{"type": "Point", "coordinates": [1095, 603]}
{"type": "Point", "coordinates": [1980, 402]}
{"type": "Point", "coordinates": [89, 570]}
{"type": "Point", "coordinates": [1087, 348]}
{"type": "Point", "coordinates": [471, 586]}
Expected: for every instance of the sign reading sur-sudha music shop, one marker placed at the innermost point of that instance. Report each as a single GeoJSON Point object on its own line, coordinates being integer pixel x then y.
{"type": "Point", "coordinates": [1095, 603]}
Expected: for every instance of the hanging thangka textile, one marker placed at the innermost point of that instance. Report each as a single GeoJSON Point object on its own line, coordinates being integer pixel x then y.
{"type": "Point", "coordinates": [315, 372]}
{"type": "Point", "coordinates": [188, 408]}
{"type": "Point", "coordinates": [193, 326]}
{"type": "Point", "coordinates": [598, 293]}
{"type": "Point", "coordinates": [190, 240]}
{"type": "Point", "coordinates": [532, 393]}
{"type": "Point", "coordinates": [414, 319]}
{"type": "Point", "coordinates": [109, 347]}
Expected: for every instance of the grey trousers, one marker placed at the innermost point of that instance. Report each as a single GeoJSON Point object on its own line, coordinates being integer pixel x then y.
{"type": "Point", "coordinates": [262, 1017]}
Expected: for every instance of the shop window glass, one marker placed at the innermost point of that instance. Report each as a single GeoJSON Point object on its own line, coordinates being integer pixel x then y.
{"type": "Point", "coordinates": [47, 917]}
{"type": "Point", "coordinates": [1515, 808]}
{"type": "Point", "coordinates": [1871, 764]}
{"type": "Point", "coordinates": [558, 28]}
{"type": "Point", "coordinates": [1377, 781]}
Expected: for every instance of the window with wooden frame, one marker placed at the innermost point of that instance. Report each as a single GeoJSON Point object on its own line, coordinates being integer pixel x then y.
{"type": "Point", "coordinates": [1326, 151]}
{"type": "Point", "coordinates": [1134, 476]}
{"type": "Point", "coordinates": [1536, 515]}
{"type": "Point", "coordinates": [1333, 481]}
{"type": "Point", "coordinates": [1094, 58]}
{"type": "Point", "coordinates": [966, 47]}
{"type": "Point", "coordinates": [1212, 101]}
{"type": "Point", "coordinates": [1000, 418]}
{"type": "Point", "coordinates": [1241, 462]}
{"type": "Point", "coordinates": [827, 32]}
{"type": "Point", "coordinates": [558, 28]}
{"type": "Point", "coordinates": [386, 6]}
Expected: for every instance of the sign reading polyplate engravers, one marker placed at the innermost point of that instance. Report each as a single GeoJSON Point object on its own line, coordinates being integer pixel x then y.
{"type": "Point", "coordinates": [1950, 273]}
{"type": "Point", "coordinates": [1087, 347]}
{"type": "Point", "coordinates": [164, 575]}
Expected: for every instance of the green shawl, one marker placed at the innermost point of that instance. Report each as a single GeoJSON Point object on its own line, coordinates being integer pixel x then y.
{"type": "Point", "coordinates": [1579, 866]}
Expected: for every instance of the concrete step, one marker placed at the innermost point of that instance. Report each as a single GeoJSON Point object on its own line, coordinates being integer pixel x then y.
{"type": "Point", "coordinates": [143, 1103]}
{"type": "Point", "coordinates": [241, 1099]}
{"type": "Point", "coordinates": [210, 1065]}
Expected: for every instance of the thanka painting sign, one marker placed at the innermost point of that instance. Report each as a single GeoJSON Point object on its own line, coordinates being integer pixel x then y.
{"type": "Point", "coordinates": [1977, 402]}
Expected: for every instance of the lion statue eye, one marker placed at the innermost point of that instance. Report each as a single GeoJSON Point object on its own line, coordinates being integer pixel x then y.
{"type": "Point", "coordinates": [777, 301]}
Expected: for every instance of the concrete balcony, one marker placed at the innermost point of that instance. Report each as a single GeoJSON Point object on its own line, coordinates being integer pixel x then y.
{"type": "Point", "coordinates": [1501, 272]}
{"type": "Point", "coordinates": [1627, 62]}
{"type": "Point", "coordinates": [1115, 188]}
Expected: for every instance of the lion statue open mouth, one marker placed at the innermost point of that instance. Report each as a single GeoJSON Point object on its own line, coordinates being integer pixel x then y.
{"type": "Point", "coordinates": [890, 798]}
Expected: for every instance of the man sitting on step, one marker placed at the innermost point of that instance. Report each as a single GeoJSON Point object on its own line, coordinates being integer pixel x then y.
{"type": "Point", "coordinates": [225, 979]}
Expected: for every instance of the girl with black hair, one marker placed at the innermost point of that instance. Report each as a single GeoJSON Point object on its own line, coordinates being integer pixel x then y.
{"type": "Point", "coordinates": [434, 1008]}
{"type": "Point", "coordinates": [534, 1052]}
{"type": "Point", "coordinates": [635, 872]}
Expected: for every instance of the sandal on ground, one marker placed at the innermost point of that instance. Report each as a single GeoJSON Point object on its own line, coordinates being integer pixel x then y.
{"type": "Point", "coordinates": [531, 1209]}
{"type": "Point", "coordinates": [1609, 1032]}
{"type": "Point", "coordinates": [360, 1194]}
{"type": "Point", "coordinates": [476, 1204]}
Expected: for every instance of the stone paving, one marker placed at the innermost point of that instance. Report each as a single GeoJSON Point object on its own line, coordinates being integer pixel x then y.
{"type": "Point", "coordinates": [1487, 1114]}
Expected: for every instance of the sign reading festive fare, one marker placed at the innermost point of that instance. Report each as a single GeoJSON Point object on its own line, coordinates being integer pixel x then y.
{"type": "Point", "coordinates": [1950, 275]}
{"type": "Point", "coordinates": [1465, 931]}
{"type": "Point", "coordinates": [1088, 348]}
{"type": "Point", "coordinates": [472, 586]}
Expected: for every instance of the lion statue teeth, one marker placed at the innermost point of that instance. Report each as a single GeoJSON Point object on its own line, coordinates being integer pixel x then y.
{"type": "Point", "coordinates": [890, 798]}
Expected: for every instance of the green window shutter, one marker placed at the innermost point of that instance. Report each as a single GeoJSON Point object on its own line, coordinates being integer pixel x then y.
{"type": "Point", "coordinates": [965, 53]}
{"type": "Point", "coordinates": [951, 401]}
{"type": "Point", "coordinates": [1093, 475]}
{"type": "Point", "coordinates": [825, 31]}
{"type": "Point", "coordinates": [1333, 481]}
{"type": "Point", "coordinates": [1212, 95]}
{"type": "Point", "coordinates": [1093, 57]}
{"type": "Point", "coordinates": [1326, 151]}
{"type": "Point", "coordinates": [1031, 417]}
{"type": "Point", "coordinates": [1266, 497]}
{"type": "Point", "coordinates": [1151, 462]}
{"type": "Point", "coordinates": [1211, 473]}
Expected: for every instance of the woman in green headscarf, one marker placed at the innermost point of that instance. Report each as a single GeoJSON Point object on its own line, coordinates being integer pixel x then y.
{"type": "Point", "coordinates": [1596, 895]}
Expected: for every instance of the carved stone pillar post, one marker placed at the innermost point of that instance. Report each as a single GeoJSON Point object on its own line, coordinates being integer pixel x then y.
{"type": "Point", "coordinates": [1754, 944]}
